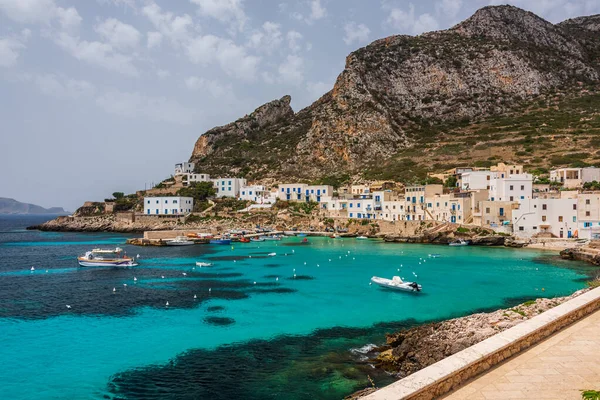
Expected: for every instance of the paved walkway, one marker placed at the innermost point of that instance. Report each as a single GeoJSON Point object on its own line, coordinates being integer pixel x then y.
{"type": "Point", "coordinates": [557, 368]}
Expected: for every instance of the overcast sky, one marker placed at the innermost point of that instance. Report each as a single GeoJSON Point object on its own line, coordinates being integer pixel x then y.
{"type": "Point", "coordinates": [98, 96]}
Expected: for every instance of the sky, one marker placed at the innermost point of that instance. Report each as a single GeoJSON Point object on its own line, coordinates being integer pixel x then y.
{"type": "Point", "coordinates": [98, 96]}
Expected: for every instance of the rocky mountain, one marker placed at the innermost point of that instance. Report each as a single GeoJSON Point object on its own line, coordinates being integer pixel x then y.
{"type": "Point", "coordinates": [12, 206]}
{"type": "Point", "coordinates": [503, 81]}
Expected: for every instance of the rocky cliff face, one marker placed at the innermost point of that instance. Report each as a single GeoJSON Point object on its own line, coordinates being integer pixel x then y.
{"type": "Point", "coordinates": [404, 92]}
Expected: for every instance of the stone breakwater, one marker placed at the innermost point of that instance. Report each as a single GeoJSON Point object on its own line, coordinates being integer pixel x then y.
{"type": "Point", "coordinates": [413, 349]}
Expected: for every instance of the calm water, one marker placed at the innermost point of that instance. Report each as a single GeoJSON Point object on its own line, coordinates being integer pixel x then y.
{"type": "Point", "coordinates": [254, 331]}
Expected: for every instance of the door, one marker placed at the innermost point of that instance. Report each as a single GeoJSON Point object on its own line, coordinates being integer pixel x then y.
{"type": "Point", "coordinates": [561, 234]}
{"type": "Point", "coordinates": [569, 234]}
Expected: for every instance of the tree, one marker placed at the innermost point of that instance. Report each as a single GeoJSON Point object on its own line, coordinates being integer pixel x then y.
{"type": "Point", "coordinates": [118, 195]}
{"type": "Point", "coordinates": [433, 180]}
{"type": "Point", "coordinates": [451, 181]}
{"type": "Point", "coordinates": [199, 191]}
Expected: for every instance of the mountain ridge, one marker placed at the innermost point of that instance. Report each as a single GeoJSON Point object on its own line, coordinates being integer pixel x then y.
{"type": "Point", "coordinates": [12, 206]}
{"type": "Point", "coordinates": [408, 92]}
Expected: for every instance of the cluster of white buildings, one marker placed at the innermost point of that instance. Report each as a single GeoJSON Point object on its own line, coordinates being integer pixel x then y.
{"type": "Point", "coordinates": [504, 198]}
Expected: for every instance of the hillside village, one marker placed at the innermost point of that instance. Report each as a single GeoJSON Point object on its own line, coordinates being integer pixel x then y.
{"type": "Point", "coordinates": [504, 198]}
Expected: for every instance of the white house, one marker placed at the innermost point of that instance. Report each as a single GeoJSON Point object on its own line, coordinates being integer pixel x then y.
{"type": "Point", "coordinates": [168, 205]}
{"type": "Point", "coordinates": [304, 192]}
{"type": "Point", "coordinates": [476, 180]}
{"type": "Point", "coordinates": [588, 215]}
{"type": "Point", "coordinates": [517, 187]}
{"type": "Point", "coordinates": [555, 216]}
{"type": "Point", "coordinates": [184, 168]}
{"type": "Point", "coordinates": [575, 177]}
{"type": "Point", "coordinates": [228, 187]}
{"type": "Point", "coordinates": [256, 193]}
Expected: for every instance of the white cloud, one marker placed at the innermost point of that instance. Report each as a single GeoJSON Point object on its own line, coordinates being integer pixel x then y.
{"type": "Point", "coordinates": [62, 87]}
{"type": "Point", "coordinates": [317, 11]}
{"type": "Point", "coordinates": [227, 11]}
{"type": "Point", "coordinates": [233, 59]}
{"type": "Point", "coordinates": [291, 71]}
{"type": "Point", "coordinates": [356, 33]}
{"type": "Point", "coordinates": [267, 39]}
{"type": "Point", "coordinates": [137, 105]}
{"type": "Point", "coordinates": [162, 73]}
{"type": "Point", "coordinates": [214, 87]}
{"type": "Point", "coordinates": [40, 12]}
{"type": "Point", "coordinates": [120, 35]}
{"type": "Point", "coordinates": [97, 53]}
{"type": "Point", "coordinates": [318, 89]}
{"type": "Point", "coordinates": [175, 27]}
{"type": "Point", "coordinates": [407, 22]}
{"type": "Point", "coordinates": [293, 39]}
{"type": "Point", "coordinates": [448, 8]}
{"type": "Point", "coordinates": [9, 51]}
{"type": "Point", "coordinates": [154, 39]}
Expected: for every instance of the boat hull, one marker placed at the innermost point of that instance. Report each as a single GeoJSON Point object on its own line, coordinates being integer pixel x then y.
{"type": "Point", "coordinates": [180, 243]}
{"type": "Point", "coordinates": [402, 287]}
{"type": "Point", "coordinates": [99, 263]}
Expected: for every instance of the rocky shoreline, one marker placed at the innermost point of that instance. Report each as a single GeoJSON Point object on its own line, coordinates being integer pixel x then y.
{"type": "Point", "coordinates": [413, 349]}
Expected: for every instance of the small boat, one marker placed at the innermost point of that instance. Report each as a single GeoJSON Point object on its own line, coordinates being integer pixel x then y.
{"type": "Point", "coordinates": [362, 237]}
{"type": "Point", "coordinates": [272, 254]}
{"type": "Point", "coordinates": [220, 241]}
{"type": "Point", "coordinates": [180, 241]}
{"type": "Point", "coordinates": [459, 242]}
{"type": "Point", "coordinates": [334, 236]}
{"type": "Point", "coordinates": [434, 255]}
{"type": "Point", "coordinates": [270, 238]}
{"type": "Point", "coordinates": [257, 239]}
{"type": "Point", "coordinates": [301, 234]}
{"type": "Point", "coordinates": [244, 240]}
{"type": "Point", "coordinates": [397, 284]}
{"type": "Point", "coordinates": [304, 241]}
{"type": "Point", "coordinates": [106, 258]}
{"type": "Point", "coordinates": [203, 264]}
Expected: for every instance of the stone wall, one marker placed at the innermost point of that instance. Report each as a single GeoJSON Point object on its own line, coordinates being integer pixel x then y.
{"type": "Point", "coordinates": [451, 372]}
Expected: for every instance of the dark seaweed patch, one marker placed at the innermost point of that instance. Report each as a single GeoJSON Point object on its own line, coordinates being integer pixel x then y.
{"type": "Point", "coordinates": [301, 278]}
{"type": "Point", "coordinates": [219, 321]}
{"type": "Point", "coordinates": [271, 276]}
{"type": "Point", "coordinates": [215, 308]}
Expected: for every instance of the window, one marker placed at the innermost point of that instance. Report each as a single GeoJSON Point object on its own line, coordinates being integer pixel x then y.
{"type": "Point", "coordinates": [522, 187]}
{"type": "Point", "coordinates": [521, 228]}
{"type": "Point", "coordinates": [511, 198]}
{"type": "Point", "coordinates": [587, 213]}
{"type": "Point", "coordinates": [156, 201]}
{"type": "Point", "coordinates": [487, 210]}
{"type": "Point", "coordinates": [587, 201]}
{"type": "Point", "coordinates": [574, 219]}
{"type": "Point", "coordinates": [574, 206]}
{"type": "Point", "coordinates": [148, 201]}
{"type": "Point", "coordinates": [174, 201]}
{"type": "Point", "coordinates": [544, 207]}
{"type": "Point", "coordinates": [560, 218]}
{"type": "Point", "coordinates": [510, 187]}
{"type": "Point", "coordinates": [544, 218]}
{"type": "Point", "coordinates": [488, 177]}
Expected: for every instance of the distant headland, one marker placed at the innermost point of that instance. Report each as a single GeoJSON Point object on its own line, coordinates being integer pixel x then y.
{"type": "Point", "coordinates": [12, 206]}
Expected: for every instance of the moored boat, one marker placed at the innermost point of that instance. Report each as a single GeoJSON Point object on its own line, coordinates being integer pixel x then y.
{"type": "Point", "coordinates": [362, 237]}
{"type": "Point", "coordinates": [396, 284]}
{"type": "Point", "coordinates": [179, 241]}
{"type": "Point", "coordinates": [257, 239]}
{"type": "Point", "coordinates": [270, 238]}
{"type": "Point", "coordinates": [106, 258]}
{"type": "Point", "coordinates": [203, 264]}
{"type": "Point", "coordinates": [244, 240]}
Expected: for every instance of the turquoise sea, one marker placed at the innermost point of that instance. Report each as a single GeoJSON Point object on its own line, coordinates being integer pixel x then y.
{"type": "Point", "coordinates": [290, 326]}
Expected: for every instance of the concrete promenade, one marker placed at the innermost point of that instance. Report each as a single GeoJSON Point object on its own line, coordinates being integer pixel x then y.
{"type": "Point", "coordinates": [557, 368]}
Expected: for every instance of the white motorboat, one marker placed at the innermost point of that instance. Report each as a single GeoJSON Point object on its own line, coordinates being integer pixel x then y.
{"type": "Point", "coordinates": [459, 242]}
{"type": "Point", "coordinates": [362, 237]}
{"type": "Point", "coordinates": [435, 255]}
{"type": "Point", "coordinates": [180, 241]}
{"type": "Point", "coordinates": [397, 284]}
{"type": "Point", "coordinates": [269, 238]}
{"type": "Point", "coordinates": [203, 264]}
{"type": "Point", "coordinates": [106, 258]}
{"type": "Point", "coordinates": [272, 254]}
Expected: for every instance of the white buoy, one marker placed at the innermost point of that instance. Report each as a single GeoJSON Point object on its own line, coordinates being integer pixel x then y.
{"type": "Point", "coordinates": [318, 265]}
{"type": "Point", "coordinates": [401, 265]}
{"type": "Point", "coordinates": [134, 279]}
{"type": "Point", "coordinates": [162, 276]}
{"type": "Point", "coordinates": [330, 260]}
{"type": "Point", "coordinates": [293, 251]}
{"type": "Point", "coordinates": [276, 279]}
{"type": "Point", "coordinates": [46, 271]}
{"type": "Point", "coordinates": [167, 304]}
{"type": "Point", "coordinates": [233, 260]}
{"type": "Point", "coordinates": [294, 276]}
{"type": "Point", "coordinates": [68, 306]}
{"type": "Point", "coordinates": [294, 269]}
{"type": "Point", "coordinates": [184, 274]}
{"type": "Point", "coordinates": [114, 290]}
{"type": "Point", "coordinates": [370, 283]}
{"type": "Point", "coordinates": [255, 282]}
{"type": "Point", "coordinates": [250, 256]}
{"type": "Point", "coordinates": [209, 290]}
{"type": "Point", "coordinates": [194, 268]}
{"type": "Point", "coordinates": [304, 262]}
{"type": "Point", "coordinates": [32, 268]}
{"type": "Point", "coordinates": [125, 285]}
{"type": "Point", "coordinates": [138, 256]}
{"type": "Point", "coordinates": [195, 297]}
